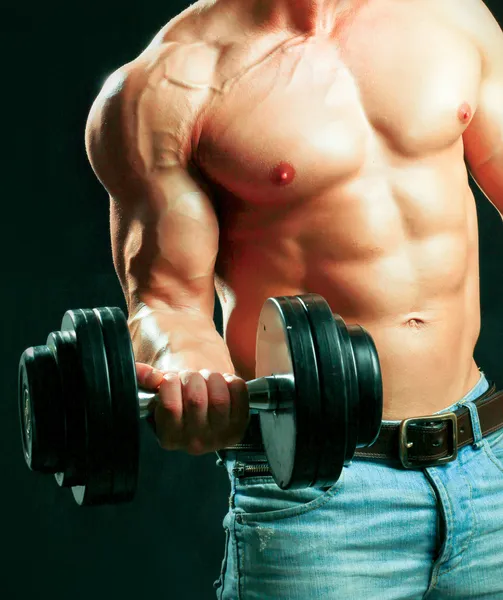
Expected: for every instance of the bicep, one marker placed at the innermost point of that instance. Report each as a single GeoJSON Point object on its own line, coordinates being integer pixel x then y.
{"type": "Point", "coordinates": [163, 226]}
{"type": "Point", "coordinates": [186, 224]}
{"type": "Point", "coordinates": [168, 243]}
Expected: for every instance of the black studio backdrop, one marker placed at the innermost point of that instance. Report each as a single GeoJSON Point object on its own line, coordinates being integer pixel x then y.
{"type": "Point", "coordinates": [54, 255]}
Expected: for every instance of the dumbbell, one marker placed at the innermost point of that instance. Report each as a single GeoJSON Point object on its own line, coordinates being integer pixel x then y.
{"type": "Point", "coordinates": [318, 394]}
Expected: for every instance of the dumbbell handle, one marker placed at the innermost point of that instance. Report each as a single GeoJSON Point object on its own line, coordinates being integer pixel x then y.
{"type": "Point", "coordinates": [274, 392]}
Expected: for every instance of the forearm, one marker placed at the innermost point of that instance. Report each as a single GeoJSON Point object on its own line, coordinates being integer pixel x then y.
{"type": "Point", "coordinates": [175, 339]}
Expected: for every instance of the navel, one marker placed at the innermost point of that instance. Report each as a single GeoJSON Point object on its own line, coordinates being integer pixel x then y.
{"type": "Point", "coordinates": [465, 112]}
{"type": "Point", "coordinates": [283, 174]}
{"type": "Point", "coordinates": [415, 323]}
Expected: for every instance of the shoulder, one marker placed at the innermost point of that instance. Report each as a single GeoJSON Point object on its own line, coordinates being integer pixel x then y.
{"type": "Point", "coordinates": [111, 134]}
{"type": "Point", "coordinates": [158, 94]}
{"type": "Point", "coordinates": [474, 20]}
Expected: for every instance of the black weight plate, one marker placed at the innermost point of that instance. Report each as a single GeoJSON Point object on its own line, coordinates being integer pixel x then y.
{"type": "Point", "coordinates": [40, 409]}
{"type": "Point", "coordinates": [369, 385]}
{"type": "Point", "coordinates": [93, 365]}
{"type": "Point", "coordinates": [125, 406]}
{"type": "Point", "coordinates": [290, 436]}
{"type": "Point", "coordinates": [333, 373]}
{"type": "Point", "coordinates": [353, 406]}
{"type": "Point", "coordinates": [72, 471]}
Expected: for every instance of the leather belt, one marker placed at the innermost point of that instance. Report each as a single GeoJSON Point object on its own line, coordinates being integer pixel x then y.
{"type": "Point", "coordinates": [417, 442]}
{"type": "Point", "coordinates": [433, 440]}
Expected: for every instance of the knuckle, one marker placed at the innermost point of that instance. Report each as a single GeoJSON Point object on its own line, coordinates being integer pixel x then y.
{"type": "Point", "coordinates": [219, 409]}
{"type": "Point", "coordinates": [219, 398]}
{"type": "Point", "coordinates": [189, 378]}
{"type": "Point", "coordinates": [216, 379]}
{"type": "Point", "coordinates": [194, 391]}
{"type": "Point", "coordinates": [171, 380]}
{"type": "Point", "coordinates": [238, 390]}
{"type": "Point", "coordinates": [195, 399]}
{"type": "Point", "coordinates": [170, 403]}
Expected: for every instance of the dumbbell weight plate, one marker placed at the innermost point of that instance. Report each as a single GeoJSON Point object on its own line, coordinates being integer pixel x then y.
{"type": "Point", "coordinates": [335, 386]}
{"type": "Point", "coordinates": [94, 371]}
{"type": "Point", "coordinates": [290, 435]}
{"type": "Point", "coordinates": [125, 408]}
{"type": "Point", "coordinates": [351, 380]}
{"type": "Point", "coordinates": [41, 409]}
{"type": "Point", "coordinates": [370, 389]}
{"type": "Point", "coordinates": [72, 470]}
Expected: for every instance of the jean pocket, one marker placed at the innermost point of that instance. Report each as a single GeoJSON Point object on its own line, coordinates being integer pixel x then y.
{"type": "Point", "coordinates": [494, 447]}
{"type": "Point", "coordinates": [260, 499]}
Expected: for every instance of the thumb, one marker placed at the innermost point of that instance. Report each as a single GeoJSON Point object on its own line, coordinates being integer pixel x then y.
{"type": "Point", "coordinates": [148, 377]}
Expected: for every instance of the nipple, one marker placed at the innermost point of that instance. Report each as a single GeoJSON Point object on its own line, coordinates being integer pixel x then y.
{"type": "Point", "coordinates": [283, 174]}
{"type": "Point", "coordinates": [465, 112]}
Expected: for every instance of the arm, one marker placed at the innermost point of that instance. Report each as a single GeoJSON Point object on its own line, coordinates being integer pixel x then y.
{"type": "Point", "coordinates": [484, 137]}
{"type": "Point", "coordinates": [163, 227]}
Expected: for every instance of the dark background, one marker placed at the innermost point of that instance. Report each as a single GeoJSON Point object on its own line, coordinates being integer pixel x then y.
{"type": "Point", "coordinates": [54, 255]}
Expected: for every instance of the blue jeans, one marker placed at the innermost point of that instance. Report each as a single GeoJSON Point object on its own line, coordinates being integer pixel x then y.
{"type": "Point", "coordinates": [381, 532]}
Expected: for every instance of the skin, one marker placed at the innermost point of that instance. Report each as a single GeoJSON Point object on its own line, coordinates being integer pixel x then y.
{"type": "Point", "coordinates": [280, 147]}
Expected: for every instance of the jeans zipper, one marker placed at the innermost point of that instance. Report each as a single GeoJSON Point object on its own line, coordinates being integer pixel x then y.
{"type": "Point", "coordinates": [241, 470]}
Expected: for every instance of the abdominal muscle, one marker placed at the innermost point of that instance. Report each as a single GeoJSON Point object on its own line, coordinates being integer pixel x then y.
{"type": "Point", "coordinates": [409, 276]}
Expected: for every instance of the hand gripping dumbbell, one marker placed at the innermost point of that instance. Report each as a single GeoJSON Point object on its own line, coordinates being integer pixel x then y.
{"type": "Point", "coordinates": [318, 393]}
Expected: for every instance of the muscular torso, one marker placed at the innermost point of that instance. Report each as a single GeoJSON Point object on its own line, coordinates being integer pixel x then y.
{"type": "Point", "coordinates": [374, 210]}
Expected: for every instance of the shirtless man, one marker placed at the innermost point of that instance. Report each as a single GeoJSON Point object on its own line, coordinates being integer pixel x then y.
{"type": "Point", "coordinates": [277, 147]}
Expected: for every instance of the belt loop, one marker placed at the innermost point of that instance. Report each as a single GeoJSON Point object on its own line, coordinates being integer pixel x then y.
{"type": "Point", "coordinates": [474, 418]}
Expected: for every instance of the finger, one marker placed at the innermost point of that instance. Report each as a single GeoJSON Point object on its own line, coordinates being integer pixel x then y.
{"type": "Point", "coordinates": [218, 402]}
{"type": "Point", "coordinates": [148, 377]}
{"type": "Point", "coordinates": [239, 417]}
{"type": "Point", "coordinates": [169, 412]}
{"type": "Point", "coordinates": [195, 403]}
